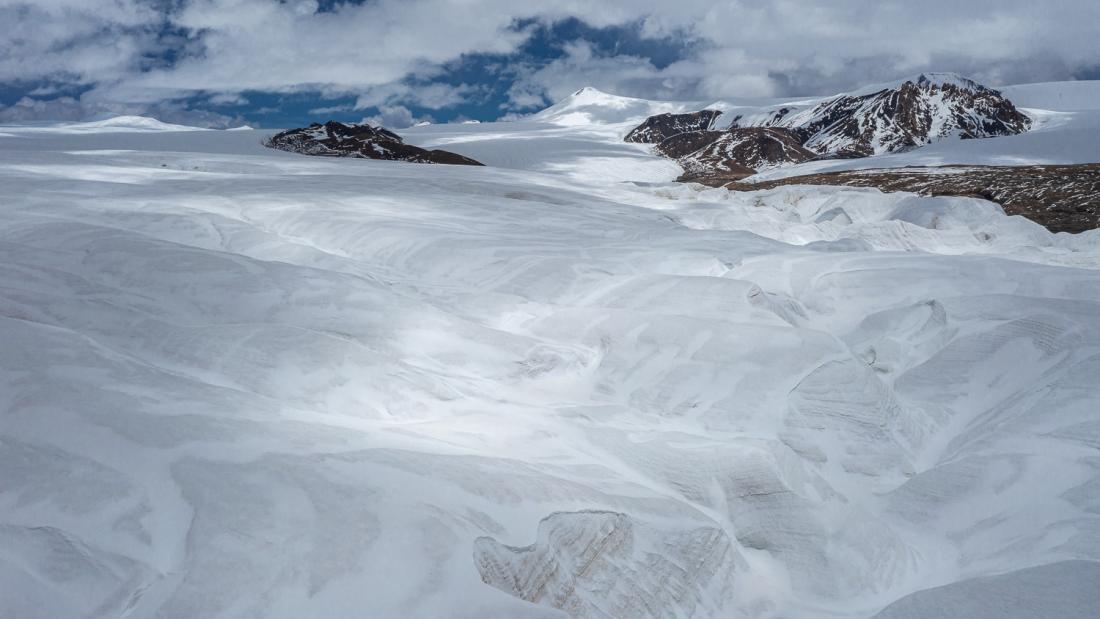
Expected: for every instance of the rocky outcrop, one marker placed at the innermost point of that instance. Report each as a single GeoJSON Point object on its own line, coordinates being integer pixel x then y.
{"type": "Point", "coordinates": [733, 154]}
{"type": "Point", "coordinates": [663, 126]}
{"type": "Point", "coordinates": [335, 139]}
{"type": "Point", "coordinates": [1062, 198]}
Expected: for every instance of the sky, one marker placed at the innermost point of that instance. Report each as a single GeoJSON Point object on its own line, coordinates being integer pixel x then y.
{"type": "Point", "coordinates": [284, 63]}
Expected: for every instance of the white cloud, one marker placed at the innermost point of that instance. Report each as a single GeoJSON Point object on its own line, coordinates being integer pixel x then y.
{"type": "Point", "coordinates": [375, 49]}
{"type": "Point", "coordinates": [331, 109]}
{"type": "Point", "coordinates": [395, 117]}
{"type": "Point", "coordinates": [80, 40]}
{"type": "Point", "coordinates": [434, 95]}
{"type": "Point", "coordinates": [227, 98]}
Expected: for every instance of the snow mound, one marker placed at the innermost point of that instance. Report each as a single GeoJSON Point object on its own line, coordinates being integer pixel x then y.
{"type": "Point", "coordinates": [589, 105]}
{"type": "Point", "coordinates": [123, 124]}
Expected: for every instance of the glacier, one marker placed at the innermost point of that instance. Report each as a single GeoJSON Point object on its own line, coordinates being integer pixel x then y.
{"type": "Point", "coordinates": [238, 382]}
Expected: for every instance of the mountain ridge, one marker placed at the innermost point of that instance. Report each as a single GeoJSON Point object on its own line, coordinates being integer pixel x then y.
{"type": "Point", "coordinates": [879, 119]}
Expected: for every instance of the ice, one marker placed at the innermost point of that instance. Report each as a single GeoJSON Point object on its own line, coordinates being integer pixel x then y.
{"type": "Point", "coordinates": [240, 382]}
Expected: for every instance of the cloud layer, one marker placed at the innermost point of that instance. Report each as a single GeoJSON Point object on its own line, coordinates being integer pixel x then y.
{"type": "Point", "coordinates": [388, 54]}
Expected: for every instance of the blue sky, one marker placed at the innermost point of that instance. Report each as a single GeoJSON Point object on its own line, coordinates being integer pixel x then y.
{"type": "Point", "coordinates": [490, 75]}
{"type": "Point", "coordinates": [277, 63]}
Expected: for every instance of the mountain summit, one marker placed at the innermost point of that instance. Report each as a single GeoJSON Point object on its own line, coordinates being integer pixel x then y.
{"type": "Point", "coordinates": [879, 119]}
{"type": "Point", "coordinates": [590, 105]}
{"type": "Point", "coordinates": [898, 116]}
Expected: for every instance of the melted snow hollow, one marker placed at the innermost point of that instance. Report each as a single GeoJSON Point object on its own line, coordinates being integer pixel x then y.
{"type": "Point", "coordinates": [242, 382]}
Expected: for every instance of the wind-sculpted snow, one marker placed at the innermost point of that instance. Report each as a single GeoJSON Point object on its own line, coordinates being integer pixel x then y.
{"type": "Point", "coordinates": [240, 382]}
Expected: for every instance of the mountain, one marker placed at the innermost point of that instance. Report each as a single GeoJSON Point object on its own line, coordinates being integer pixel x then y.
{"type": "Point", "coordinates": [335, 139]}
{"type": "Point", "coordinates": [733, 154]}
{"type": "Point", "coordinates": [592, 106]}
{"type": "Point", "coordinates": [663, 126]}
{"type": "Point", "coordinates": [898, 116]}
{"type": "Point", "coordinates": [875, 120]}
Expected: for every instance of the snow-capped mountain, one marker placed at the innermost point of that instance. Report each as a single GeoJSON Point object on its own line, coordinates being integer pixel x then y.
{"type": "Point", "coordinates": [589, 106]}
{"type": "Point", "coordinates": [875, 120]}
{"type": "Point", "coordinates": [897, 116]}
{"type": "Point", "coordinates": [335, 139]}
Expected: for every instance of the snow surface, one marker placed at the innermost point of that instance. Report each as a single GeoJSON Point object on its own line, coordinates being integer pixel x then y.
{"type": "Point", "coordinates": [242, 382]}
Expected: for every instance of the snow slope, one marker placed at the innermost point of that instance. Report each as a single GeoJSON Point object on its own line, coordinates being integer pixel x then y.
{"type": "Point", "coordinates": [242, 382]}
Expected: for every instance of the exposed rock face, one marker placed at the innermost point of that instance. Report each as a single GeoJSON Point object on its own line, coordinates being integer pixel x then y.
{"type": "Point", "coordinates": [663, 126]}
{"type": "Point", "coordinates": [604, 564]}
{"type": "Point", "coordinates": [911, 114]}
{"type": "Point", "coordinates": [892, 118]}
{"type": "Point", "coordinates": [1063, 198]}
{"type": "Point", "coordinates": [733, 154]}
{"type": "Point", "coordinates": [335, 139]}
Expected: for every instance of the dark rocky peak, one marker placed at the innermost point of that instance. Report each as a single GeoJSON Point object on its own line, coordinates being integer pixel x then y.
{"type": "Point", "coordinates": [710, 156]}
{"type": "Point", "coordinates": [336, 139]}
{"type": "Point", "coordinates": [663, 126]}
{"type": "Point", "coordinates": [902, 116]}
{"type": "Point", "coordinates": [932, 80]}
{"type": "Point", "coordinates": [879, 119]}
{"type": "Point", "coordinates": [334, 130]}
